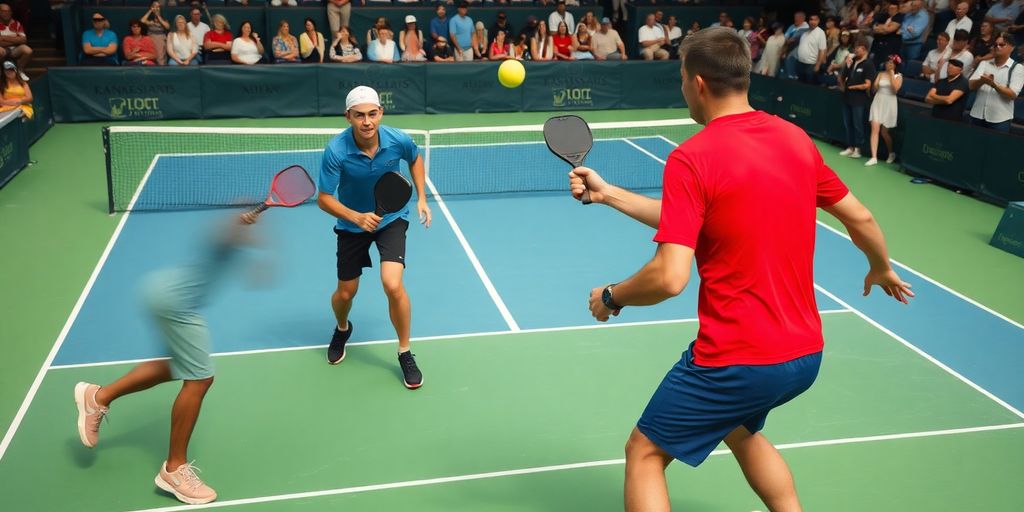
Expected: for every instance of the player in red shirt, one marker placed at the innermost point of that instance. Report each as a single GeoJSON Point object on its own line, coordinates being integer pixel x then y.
{"type": "Point", "coordinates": [741, 197]}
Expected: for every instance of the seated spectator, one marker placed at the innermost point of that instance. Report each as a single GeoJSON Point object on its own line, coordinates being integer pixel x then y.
{"type": "Point", "coordinates": [345, 48]}
{"type": "Point", "coordinates": [156, 29]}
{"type": "Point", "coordinates": [1002, 14]}
{"type": "Point", "coordinates": [16, 92]}
{"type": "Point", "coordinates": [590, 22]}
{"type": "Point", "coordinates": [442, 52]}
{"type": "Point", "coordinates": [278, 3]}
{"type": "Point", "coordinates": [284, 44]}
{"type": "Point", "coordinates": [984, 44]}
{"type": "Point", "coordinates": [541, 46]}
{"type": "Point", "coordinates": [410, 40]}
{"type": "Point", "coordinates": [311, 43]}
{"type": "Point", "coordinates": [949, 96]}
{"type": "Point", "coordinates": [562, 41]}
{"type": "Point", "coordinates": [652, 40]}
{"type": "Point", "coordinates": [182, 48]}
{"type": "Point", "coordinates": [99, 45]}
{"type": "Point", "coordinates": [500, 49]}
{"type": "Point", "coordinates": [582, 44]}
{"type": "Point", "coordinates": [607, 45]}
{"type": "Point", "coordinates": [521, 50]}
{"type": "Point", "coordinates": [217, 43]}
{"type": "Point", "coordinates": [371, 34]}
{"type": "Point", "coordinates": [675, 36]}
{"type": "Point", "coordinates": [958, 50]}
{"type": "Point", "coordinates": [560, 15]}
{"type": "Point", "coordinates": [996, 88]}
{"type": "Point", "coordinates": [723, 18]}
{"type": "Point", "coordinates": [694, 28]}
{"type": "Point", "coordinates": [1016, 29]}
{"type": "Point", "coordinates": [382, 49]}
{"type": "Point", "coordinates": [480, 41]}
{"type": "Point", "coordinates": [13, 39]}
{"type": "Point", "coordinates": [246, 49]}
{"type": "Point", "coordinates": [936, 58]}
{"type": "Point", "coordinates": [962, 21]}
{"type": "Point", "coordinates": [138, 47]}
{"type": "Point", "coordinates": [197, 28]}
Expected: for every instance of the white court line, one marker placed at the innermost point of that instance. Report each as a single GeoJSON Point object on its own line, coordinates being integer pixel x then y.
{"type": "Point", "coordinates": [562, 467]}
{"type": "Point", "coordinates": [642, 150]}
{"type": "Point", "coordinates": [923, 354]}
{"type": "Point", "coordinates": [20, 415]}
{"type": "Point", "coordinates": [938, 284]}
{"type": "Point", "coordinates": [502, 308]}
{"type": "Point", "coordinates": [483, 334]}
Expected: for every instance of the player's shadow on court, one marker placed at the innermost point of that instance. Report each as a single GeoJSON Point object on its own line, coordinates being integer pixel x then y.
{"type": "Point", "coordinates": [141, 436]}
{"type": "Point", "coordinates": [380, 358]}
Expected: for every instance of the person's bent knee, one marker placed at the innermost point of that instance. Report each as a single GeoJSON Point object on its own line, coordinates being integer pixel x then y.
{"type": "Point", "coordinates": [393, 287]}
{"type": "Point", "coordinates": [346, 290]}
{"type": "Point", "coordinates": [203, 384]}
{"type": "Point", "coordinates": [639, 446]}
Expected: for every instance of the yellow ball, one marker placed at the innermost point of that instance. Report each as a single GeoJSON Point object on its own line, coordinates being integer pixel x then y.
{"type": "Point", "coordinates": [511, 73]}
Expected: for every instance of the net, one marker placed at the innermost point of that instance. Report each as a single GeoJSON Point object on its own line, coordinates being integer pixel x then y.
{"type": "Point", "coordinates": [168, 168]}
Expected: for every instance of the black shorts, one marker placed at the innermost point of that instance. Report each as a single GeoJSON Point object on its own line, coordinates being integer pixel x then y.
{"type": "Point", "coordinates": [354, 248]}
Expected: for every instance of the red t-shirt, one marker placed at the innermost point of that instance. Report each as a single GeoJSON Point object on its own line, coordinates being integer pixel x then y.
{"type": "Point", "coordinates": [223, 37]}
{"type": "Point", "coordinates": [743, 194]}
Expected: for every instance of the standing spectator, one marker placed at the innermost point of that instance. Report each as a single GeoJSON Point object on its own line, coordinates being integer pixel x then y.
{"type": "Point", "coordinates": [479, 41]}
{"type": "Point", "coordinates": [182, 47]}
{"type": "Point", "coordinates": [607, 43]}
{"type": "Point", "coordinates": [998, 82]}
{"type": "Point", "coordinates": [961, 21]}
{"type": "Point", "coordinates": [461, 30]}
{"type": "Point", "coordinates": [99, 45]}
{"type": "Point", "coordinates": [541, 46]}
{"type": "Point", "coordinates": [500, 49]}
{"type": "Point", "coordinates": [810, 52]}
{"type": "Point", "coordinates": [769, 63]}
{"type": "Point", "coordinates": [838, 58]}
{"type": "Point", "coordinates": [156, 29]}
{"type": "Point", "coordinates": [563, 42]}
{"type": "Point", "coordinates": [941, 12]}
{"type": "Point", "coordinates": [652, 40]}
{"type": "Point", "coordinates": [723, 18]}
{"type": "Point", "coordinates": [888, 40]}
{"type": "Point", "coordinates": [560, 15]}
{"type": "Point", "coordinates": [582, 44]}
{"type": "Point", "coordinates": [277, 3]}
{"type": "Point", "coordinates": [197, 28]}
{"type": "Point", "coordinates": [501, 24]}
{"type": "Point", "coordinates": [915, 24]}
{"type": "Point", "coordinates": [372, 32]}
{"type": "Point", "coordinates": [793, 35]}
{"type": "Point", "coordinates": [439, 25]}
{"type": "Point", "coordinates": [949, 96]}
{"type": "Point", "coordinates": [284, 45]}
{"type": "Point", "coordinates": [247, 48]}
{"type": "Point", "coordinates": [855, 83]}
{"type": "Point", "coordinates": [311, 43]}
{"type": "Point", "coordinates": [345, 48]}
{"type": "Point", "coordinates": [138, 47]}
{"type": "Point", "coordinates": [530, 29]}
{"type": "Point", "coordinates": [1002, 14]}
{"type": "Point", "coordinates": [589, 21]}
{"type": "Point", "coordinates": [984, 44]}
{"type": "Point", "coordinates": [958, 50]}
{"type": "Point", "coordinates": [410, 40]}
{"type": "Point", "coordinates": [443, 52]}
{"type": "Point", "coordinates": [936, 58]}
{"type": "Point", "coordinates": [750, 33]}
{"type": "Point", "coordinates": [1016, 29]}
{"type": "Point", "coordinates": [884, 108]}
{"type": "Point", "coordinates": [339, 12]}
{"type": "Point", "coordinates": [16, 92]}
{"type": "Point", "coordinates": [831, 35]}
{"type": "Point", "coordinates": [382, 49]}
{"type": "Point", "coordinates": [218, 41]}
{"type": "Point", "coordinates": [13, 39]}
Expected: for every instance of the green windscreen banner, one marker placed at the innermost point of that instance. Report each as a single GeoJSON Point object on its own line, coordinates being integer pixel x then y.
{"type": "Point", "coordinates": [13, 146]}
{"type": "Point", "coordinates": [1002, 178]}
{"type": "Point", "coordinates": [947, 151]}
{"type": "Point", "coordinates": [655, 84]}
{"type": "Point", "coordinates": [572, 86]}
{"type": "Point", "coordinates": [43, 118]}
{"type": "Point", "coordinates": [125, 94]}
{"type": "Point", "coordinates": [763, 93]}
{"type": "Point", "coordinates": [401, 86]}
{"type": "Point", "coordinates": [469, 87]}
{"type": "Point", "coordinates": [259, 91]}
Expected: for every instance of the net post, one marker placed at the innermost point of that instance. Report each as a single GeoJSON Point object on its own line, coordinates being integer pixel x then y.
{"type": "Point", "coordinates": [110, 176]}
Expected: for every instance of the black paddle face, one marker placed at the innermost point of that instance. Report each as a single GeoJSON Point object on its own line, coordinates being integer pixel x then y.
{"type": "Point", "coordinates": [392, 193]}
{"type": "Point", "coordinates": [568, 137]}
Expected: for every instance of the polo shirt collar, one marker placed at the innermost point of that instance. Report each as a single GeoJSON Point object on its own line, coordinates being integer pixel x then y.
{"type": "Point", "coordinates": [383, 141]}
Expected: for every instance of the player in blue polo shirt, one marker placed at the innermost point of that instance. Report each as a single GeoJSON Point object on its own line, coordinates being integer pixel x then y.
{"type": "Point", "coordinates": [353, 162]}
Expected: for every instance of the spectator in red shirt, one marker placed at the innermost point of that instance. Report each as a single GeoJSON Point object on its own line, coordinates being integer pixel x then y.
{"type": "Point", "coordinates": [12, 39]}
{"type": "Point", "coordinates": [138, 47]}
{"type": "Point", "coordinates": [563, 42]}
{"type": "Point", "coordinates": [217, 42]}
{"type": "Point", "coordinates": [748, 217]}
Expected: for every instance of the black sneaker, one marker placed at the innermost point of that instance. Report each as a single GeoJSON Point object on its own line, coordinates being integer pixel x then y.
{"type": "Point", "coordinates": [410, 372]}
{"type": "Point", "coordinates": [336, 351]}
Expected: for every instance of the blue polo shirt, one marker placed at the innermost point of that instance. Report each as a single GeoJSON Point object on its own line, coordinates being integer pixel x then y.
{"type": "Point", "coordinates": [99, 41]}
{"type": "Point", "coordinates": [461, 30]}
{"type": "Point", "coordinates": [351, 175]}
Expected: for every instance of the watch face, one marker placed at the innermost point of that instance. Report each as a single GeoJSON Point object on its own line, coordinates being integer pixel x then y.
{"type": "Point", "coordinates": [606, 295]}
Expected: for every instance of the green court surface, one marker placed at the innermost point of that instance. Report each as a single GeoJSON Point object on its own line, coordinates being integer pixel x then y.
{"type": "Point", "coordinates": [281, 423]}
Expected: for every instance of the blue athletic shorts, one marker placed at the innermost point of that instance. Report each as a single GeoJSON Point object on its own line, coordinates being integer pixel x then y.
{"type": "Point", "coordinates": [695, 407]}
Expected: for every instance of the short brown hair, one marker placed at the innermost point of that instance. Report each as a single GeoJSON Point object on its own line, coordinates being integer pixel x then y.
{"type": "Point", "coordinates": [721, 57]}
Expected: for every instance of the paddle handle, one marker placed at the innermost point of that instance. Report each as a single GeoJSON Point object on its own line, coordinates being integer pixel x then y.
{"type": "Point", "coordinates": [577, 161]}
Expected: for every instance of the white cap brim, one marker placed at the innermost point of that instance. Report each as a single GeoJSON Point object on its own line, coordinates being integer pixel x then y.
{"type": "Point", "coordinates": [361, 95]}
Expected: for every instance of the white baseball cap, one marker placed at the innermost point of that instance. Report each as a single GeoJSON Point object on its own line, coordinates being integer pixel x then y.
{"type": "Point", "coordinates": [361, 95]}
{"type": "Point", "coordinates": [410, 19]}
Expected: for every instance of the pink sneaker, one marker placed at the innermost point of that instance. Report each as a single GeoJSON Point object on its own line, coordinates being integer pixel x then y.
{"type": "Point", "coordinates": [90, 414]}
{"type": "Point", "coordinates": [184, 484]}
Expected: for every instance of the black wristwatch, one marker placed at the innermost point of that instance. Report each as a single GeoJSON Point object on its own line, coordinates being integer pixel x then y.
{"type": "Point", "coordinates": [606, 298]}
